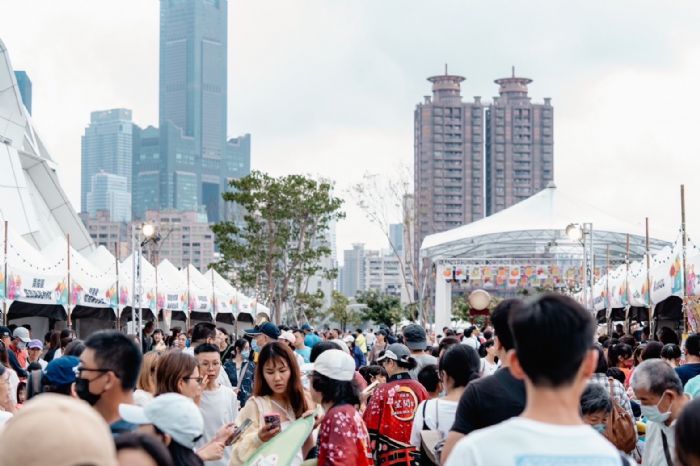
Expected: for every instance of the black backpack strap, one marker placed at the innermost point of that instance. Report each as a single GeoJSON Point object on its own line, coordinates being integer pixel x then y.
{"type": "Point", "coordinates": [425, 426]}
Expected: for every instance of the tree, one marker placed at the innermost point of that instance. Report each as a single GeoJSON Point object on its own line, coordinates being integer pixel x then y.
{"type": "Point", "coordinates": [384, 200]}
{"type": "Point", "coordinates": [308, 305]}
{"type": "Point", "coordinates": [341, 312]}
{"type": "Point", "coordinates": [279, 242]}
{"type": "Point", "coordinates": [381, 309]}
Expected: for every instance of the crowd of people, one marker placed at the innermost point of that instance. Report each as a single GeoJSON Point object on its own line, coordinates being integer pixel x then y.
{"type": "Point", "coordinates": [536, 385]}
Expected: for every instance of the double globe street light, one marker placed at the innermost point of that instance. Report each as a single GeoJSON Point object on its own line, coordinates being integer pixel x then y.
{"type": "Point", "coordinates": [150, 235]}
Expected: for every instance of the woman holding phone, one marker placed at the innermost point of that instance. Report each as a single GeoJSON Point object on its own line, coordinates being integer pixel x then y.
{"type": "Point", "coordinates": [278, 400]}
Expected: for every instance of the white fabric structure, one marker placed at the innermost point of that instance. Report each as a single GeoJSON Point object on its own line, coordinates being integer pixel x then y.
{"type": "Point", "coordinates": [530, 231]}
{"type": "Point", "coordinates": [536, 226]}
{"type": "Point", "coordinates": [34, 203]}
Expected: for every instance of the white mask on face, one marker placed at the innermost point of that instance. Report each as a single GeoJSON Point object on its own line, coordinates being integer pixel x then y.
{"type": "Point", "coordinates": [653, 414]}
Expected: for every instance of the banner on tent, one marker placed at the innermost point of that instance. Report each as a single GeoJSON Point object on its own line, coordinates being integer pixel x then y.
{"type": "Point", "coordinates": [503, 276]}
{"type": "Point", "coordinates": [96, 296]}
{"type": "Point", "coordinates": [31, 287]}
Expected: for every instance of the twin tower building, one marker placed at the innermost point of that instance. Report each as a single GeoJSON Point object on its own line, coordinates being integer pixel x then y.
{"type": "Point", "coordinates": [473, 159]}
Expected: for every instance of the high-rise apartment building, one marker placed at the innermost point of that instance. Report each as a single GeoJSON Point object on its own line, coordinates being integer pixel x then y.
{"type": "Point", "coordinates": [396, 237]}
{"type": "Point", "coordinates": [353, 270]}
{"type": "Point", "coordinates": [448, 159]}
{"type": "Point", "coordinates": [25, 89]}
{"type": "Point", "coordinates": [519, 145]}
{"type": "Point", "coordinates": [186, 238]}
{"type": "Point", "coordinates": [382, 273]}
{"type": "Point", "coordinates": [109, 193]}
{"type": "Point", "coordinates": [106, 147]}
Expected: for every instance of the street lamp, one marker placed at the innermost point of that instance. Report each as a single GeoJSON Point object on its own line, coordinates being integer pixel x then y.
{"type": "Point", "coordinates": [583, 234]}
{"type": "Point", "coordinates": [148, 230]}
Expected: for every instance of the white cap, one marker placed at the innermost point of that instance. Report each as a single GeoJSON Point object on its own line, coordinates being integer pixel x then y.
{"type": "Point", "coordinates": [335, 364]}
{"type": "Point", "coordinates": [287, 335]}
{"type": "Point", "coordinates": [172, 413]}
{"type": "Point", "coordinates": [349, 339]}
{"type": "Point", "coordinates": [22, 333]}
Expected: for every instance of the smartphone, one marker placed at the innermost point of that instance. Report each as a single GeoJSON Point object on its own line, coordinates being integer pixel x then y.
{"type": "Point", "coordinates": [238, 432]}
{"type": "Point", "coordinates": [272, 419]}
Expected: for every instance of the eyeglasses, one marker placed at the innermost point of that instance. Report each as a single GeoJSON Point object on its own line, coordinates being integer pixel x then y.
{"type": "Point", "coordinates": [198, 379]}
{"type": "Point", "coordinates": [79, 370]}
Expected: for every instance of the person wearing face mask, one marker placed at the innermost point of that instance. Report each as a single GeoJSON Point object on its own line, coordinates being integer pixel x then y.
{"type": "Point", "coordinates": [15, 345]}
{"type": "Point", "coordinates": [620, 356]}
{"type": "Point", "coordinates": [107, 374]}
{"type": "Point", "coordinates": [242, 371]}
{"type": "Point", "coordinates": [596, 407]}
{"type": "Point", "coordinates": [660, 391]}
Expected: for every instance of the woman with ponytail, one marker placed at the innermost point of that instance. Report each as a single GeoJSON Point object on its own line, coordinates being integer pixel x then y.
{"type": "Point", "coordinates": [458, 366]}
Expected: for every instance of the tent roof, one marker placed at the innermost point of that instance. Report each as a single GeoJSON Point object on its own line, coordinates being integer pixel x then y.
{"type": "Point", "coordinates": [536, 225]}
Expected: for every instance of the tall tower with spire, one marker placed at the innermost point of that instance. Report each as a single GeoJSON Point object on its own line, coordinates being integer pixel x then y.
{"type": "Point", "coordinates": [519, 147]}
{"type": "Point", "coordinates": [448, 159]}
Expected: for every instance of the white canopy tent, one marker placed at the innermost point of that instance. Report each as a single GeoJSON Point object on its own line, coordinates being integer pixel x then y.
{"type": "Point", "coordinates": [534, 229]}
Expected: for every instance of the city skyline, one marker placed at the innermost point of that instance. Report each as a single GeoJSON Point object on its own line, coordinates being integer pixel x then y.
{"type": "Point", "coordinates": [621, 103]}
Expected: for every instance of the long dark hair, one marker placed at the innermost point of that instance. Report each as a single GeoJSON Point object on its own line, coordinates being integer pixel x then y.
{"type": "Point", "coordinates": [147, 443]}
{"type": "Point", "coordinates": [461, 363]}
{"type": "Point", "coordinates": [4, 357]}
{"type": "Point", "coordinates": [183, 456]}
{"type": "Point", "coordinates": [295, 392]}
{"type": "Point", "coordinates": [172, 367]}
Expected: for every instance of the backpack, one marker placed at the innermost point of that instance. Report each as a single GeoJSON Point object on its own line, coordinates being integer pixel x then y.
{"type": "Point", "coordinates": [621, 430]}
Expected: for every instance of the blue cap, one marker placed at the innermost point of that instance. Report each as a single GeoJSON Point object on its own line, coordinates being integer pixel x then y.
{"type": "Point", "coordinates": [61, 371]}
{"type": "Point", "coordinates": [268, 328]}
{"type": "Point", "coordinates": [306, 327]}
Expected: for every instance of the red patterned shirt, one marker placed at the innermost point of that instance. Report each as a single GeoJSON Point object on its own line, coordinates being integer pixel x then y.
{"type": "Point", "coordinates": [389, 419]}
{"type": "Point", "coordinates": [343, 439]}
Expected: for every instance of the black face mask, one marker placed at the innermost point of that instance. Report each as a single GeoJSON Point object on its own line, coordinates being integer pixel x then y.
{"type": "Point", "coordinates": [82, 388]}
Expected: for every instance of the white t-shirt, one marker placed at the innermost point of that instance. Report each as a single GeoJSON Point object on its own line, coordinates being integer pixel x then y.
{"type": "Point", "coordinates": [14, 383]}
{"type": "Point", "coordinates": [439, 415]}
{"type": "Point", "coordinates": [654, 454]}
{"type": "Point", "coordinates": [218, 407]}
{"type": "Point", "coordinates": [524, 442]}
{"type": "Point", "coordinates": [471, 341]}
{"type": "Point", "coordinates": [487, 368]}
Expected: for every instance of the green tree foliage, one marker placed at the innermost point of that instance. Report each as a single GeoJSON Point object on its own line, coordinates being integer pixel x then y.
{"type": "Point", "coordinates": [341, 313]}
{"type": "Point", "coordinates": [381, 308]}
{"type": "Point", "coordinates": [279, 239]}
{"type": "Point", "coordinates": [308, 305]}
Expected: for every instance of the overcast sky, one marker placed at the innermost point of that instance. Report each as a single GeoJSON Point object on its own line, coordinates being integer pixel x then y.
{"type": "Point", "coordinates": [328, 87]}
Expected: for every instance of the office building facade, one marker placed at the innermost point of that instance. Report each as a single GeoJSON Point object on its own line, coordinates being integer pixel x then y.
{"type": "Point", "coordinates": [193, 105]}
{"type": "Point", "coordinates": [106, 147]}
{"type": "Point", "coordinates": [519, 145]}
{"type": "Point", "coordinates": [353, 279]}
{"type": "Point", "coordinates": [109, 193]}
{"type": "Point", "coordinates": [448, 159]}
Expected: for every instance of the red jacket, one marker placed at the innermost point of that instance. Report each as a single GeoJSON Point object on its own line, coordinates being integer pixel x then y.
{"type": "Point", "coordinates": [389, 419]}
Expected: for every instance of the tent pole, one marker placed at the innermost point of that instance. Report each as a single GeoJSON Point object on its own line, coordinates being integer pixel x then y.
{"type": "Point", "coordinates": [685, 242]}
{"type": "Point", "coordinates": [4, 301]}
{"type": "Point", "coordinates": [116, 290]}
{"type": "Point", "coordinates": [70, 323]}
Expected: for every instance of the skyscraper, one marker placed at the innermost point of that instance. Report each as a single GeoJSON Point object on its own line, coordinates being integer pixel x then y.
{"type": "Point", "coordinates": [396, 237]}
{"type": "Point", "coordinates": [25, 89]}
{"type": "Point", "coordinates": [109, 193]}
{"type": "Point", "coordinates": [193, 101]}
{"type": "Point", "coordinates": [519, 145]}
{"type": "Point", "coordinates": [353, 270]}
{"type": "Point", "coordinates": [106, 147]}
{"type": "Point", "coordinates": [448, 159]}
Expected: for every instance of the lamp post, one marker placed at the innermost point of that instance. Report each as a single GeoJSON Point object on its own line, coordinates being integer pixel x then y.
{"type": "Point", "coordinates": [148, 231]}
{"type": "Point", "coordinates": [583, 233]}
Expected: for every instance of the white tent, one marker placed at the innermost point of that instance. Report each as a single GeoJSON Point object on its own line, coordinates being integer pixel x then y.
{"type": "Point", "coordinates": [535, 226]}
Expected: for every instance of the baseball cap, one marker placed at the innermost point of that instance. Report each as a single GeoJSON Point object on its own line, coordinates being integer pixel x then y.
{"type": "Point", "coordinates": [70, 432]}
{"type": "Point", "coordinates": [172, 413]}
{"type": "Point", "coordinates": [335, 364]}
{"type": "Point", "coordinates": [5, 332]}
{"type": "Point", "coordinates": [397, 352]}
{"type": "Point", "coordinates": [61, 371]}
{"type": "Point", "coordinates": [22, 333]}
{"type": "Point", "coordinates": [289, 336]}
{"type": "Point", "coordinates": [35, 344]}
{"type": "Point", "coordinates": [268, 328]}
{"type": "Point", "coordinates": [342, 344]}
{"type": "Point", "coordinates": [306, 327]}
{"type": "Point", "coordinates": [414, 337]}
{"type": "Point", "coordinates": [349, 339]}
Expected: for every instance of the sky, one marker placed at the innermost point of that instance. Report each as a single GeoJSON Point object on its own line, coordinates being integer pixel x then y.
{"type": "Point", "coordinates": [328, 87]}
